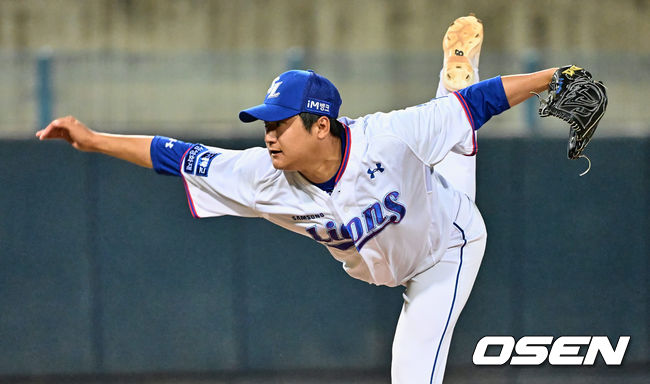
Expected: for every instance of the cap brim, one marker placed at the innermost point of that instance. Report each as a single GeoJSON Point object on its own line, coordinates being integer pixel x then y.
{"type": "Point", "coordinates": [266, 112]}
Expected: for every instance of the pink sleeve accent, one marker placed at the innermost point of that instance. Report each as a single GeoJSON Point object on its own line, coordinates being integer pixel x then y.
{"type": "Point", "coordinates": [463, 103]}
{"type": "Point", "coordinates": [190, 202]}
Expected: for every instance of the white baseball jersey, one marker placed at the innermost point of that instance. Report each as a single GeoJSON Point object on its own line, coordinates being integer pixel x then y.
{"type": "Point", "coordinates": [389, 216]}
{"type": "Point", "coordinates": [459, 170]}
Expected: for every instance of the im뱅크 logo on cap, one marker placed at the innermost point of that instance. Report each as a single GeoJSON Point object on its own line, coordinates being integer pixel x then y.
{"type": "Point", "coordinates": [318, 106]}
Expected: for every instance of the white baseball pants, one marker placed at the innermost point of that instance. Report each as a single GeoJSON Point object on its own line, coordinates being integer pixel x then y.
{"type": "Point", "coordinates": [433, 301]}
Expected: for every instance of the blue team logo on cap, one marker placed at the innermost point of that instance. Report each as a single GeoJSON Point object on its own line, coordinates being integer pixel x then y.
{"type": "Point", "coordinates": [294, 92]}
{"type": "Point", "coordinates": [273, 89]}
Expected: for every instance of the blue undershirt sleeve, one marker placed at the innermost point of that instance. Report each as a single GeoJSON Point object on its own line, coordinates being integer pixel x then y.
{"type": "Point", "coordinates": [483, 100]}
{"type": "Point", "coordinates": [166, 155]}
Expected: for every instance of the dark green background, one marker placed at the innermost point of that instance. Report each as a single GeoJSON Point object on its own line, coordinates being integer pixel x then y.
{"type": "Point", "coordinates": [103, 269]}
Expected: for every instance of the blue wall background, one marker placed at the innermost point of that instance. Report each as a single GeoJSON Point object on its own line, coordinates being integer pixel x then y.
{"type": "Point", "coordinates": [103, 270]}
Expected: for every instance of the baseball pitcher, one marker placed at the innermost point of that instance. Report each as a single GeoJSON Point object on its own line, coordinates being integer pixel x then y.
{"type": "Point", "coordinates": [365, 188]}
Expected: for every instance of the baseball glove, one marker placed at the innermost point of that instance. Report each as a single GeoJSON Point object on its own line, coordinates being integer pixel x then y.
{"type": "Point", "coordinates": [576, 98]}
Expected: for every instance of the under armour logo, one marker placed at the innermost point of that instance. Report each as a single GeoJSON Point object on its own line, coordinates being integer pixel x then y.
{"type": "Point", "coordinates": [571, 71]}
{"type": "Point", "coordinates": [170, 143]}
{"type": "Point", "coordinates": [371, 172]}
{"type": "Point", "coordinates": [273, 89]}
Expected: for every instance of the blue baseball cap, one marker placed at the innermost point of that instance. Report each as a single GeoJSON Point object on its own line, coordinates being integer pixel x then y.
{"type": "Point", "coordinates": [294, 92]}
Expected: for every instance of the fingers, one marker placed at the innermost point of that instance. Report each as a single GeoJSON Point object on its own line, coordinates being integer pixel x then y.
{"type": "Point", "coordinates": [45, 133]}
{"type": "Point", "coordinates": [56, 129]}
{"type": "Point", "coordinates": [55, 133]}
{"type": "Point", "coordinates": [48, 133]}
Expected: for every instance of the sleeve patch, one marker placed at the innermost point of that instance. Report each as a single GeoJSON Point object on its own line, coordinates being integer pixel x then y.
{"type": "Point", "coordinates": [204, 163]}
{"type": "Point", "coordinates": [189, 164]}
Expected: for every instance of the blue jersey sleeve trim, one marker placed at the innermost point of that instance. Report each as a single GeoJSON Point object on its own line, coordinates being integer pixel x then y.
{"type": "Point", "coordinates": [167, 154]}
{"type": "Point", "coordinates": [483, 100]}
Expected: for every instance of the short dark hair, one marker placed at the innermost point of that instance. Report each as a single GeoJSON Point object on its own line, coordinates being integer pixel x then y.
{"type": "Point", "coordinates": [336, 127]}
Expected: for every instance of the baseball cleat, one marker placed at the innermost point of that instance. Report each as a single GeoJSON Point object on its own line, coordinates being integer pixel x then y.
{"type": "Point", "coordinates": [462, 48]}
